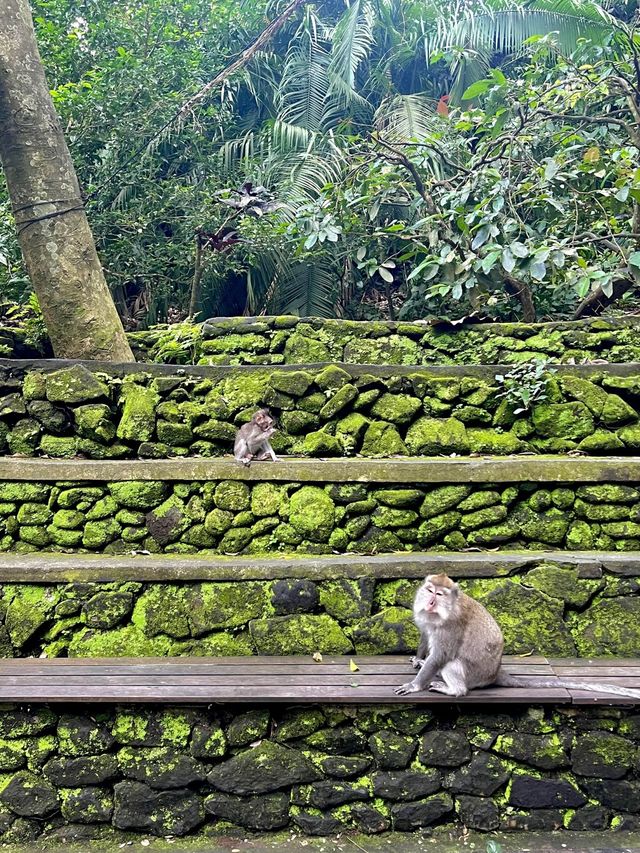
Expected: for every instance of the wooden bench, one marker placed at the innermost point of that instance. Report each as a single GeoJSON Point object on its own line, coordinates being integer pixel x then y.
{"type": "Point", "coordinates": [288, 679]}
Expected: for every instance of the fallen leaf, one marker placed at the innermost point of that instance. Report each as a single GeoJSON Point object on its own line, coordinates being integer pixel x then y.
{"type": "Point", "coordinates": [353, 666]}
{"type": "Point", "coordinates": [317, 657]}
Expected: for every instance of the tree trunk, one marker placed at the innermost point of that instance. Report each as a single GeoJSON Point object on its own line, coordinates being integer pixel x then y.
{"type": "Point", "coordinates": [53, 232]}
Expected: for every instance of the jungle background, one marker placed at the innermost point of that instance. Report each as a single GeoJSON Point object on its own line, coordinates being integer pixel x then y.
{"type": "Point", "coordinates": [378, 159]}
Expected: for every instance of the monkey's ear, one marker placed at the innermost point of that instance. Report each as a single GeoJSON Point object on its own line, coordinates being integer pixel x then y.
{"type": "Point", "coordinates": [455, 589]}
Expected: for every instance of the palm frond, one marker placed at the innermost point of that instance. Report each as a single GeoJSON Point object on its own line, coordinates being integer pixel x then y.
{"type": "Point", "coordinates": [352, 41]}
{"type": "Point", "coordinates": [407, 117]}
{"type": "Point", "coordinates": [301, 96]}
{"type": "Point", "coordinates": [309, 289]}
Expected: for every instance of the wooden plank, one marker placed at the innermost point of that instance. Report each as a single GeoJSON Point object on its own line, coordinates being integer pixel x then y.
{"type": "Point", "coordinates": [255, 660]}
{"type": "Point", "coordinates": [585, 697]}
{"type": "Point", "coordinates": [594, 662]}
{"type": "Point", "coordinates": [592, 671]}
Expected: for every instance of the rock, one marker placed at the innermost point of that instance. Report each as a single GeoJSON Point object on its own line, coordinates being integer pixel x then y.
{"type": "Point", "coordinates": [29, 795]}
{"type": "Point", "coordinates": [94, 422]}
{"type": "Point", "coordinates": [52, 418]}
{"type": "Point", "coordinates": [107, 609]}
{"type": "Point", "coordinates": [609, 627]}
{"type": "Point", "coordinates": [248, 727]}
{"type": "Point", "coordinates": [160, 767]}
{"type": "Point", "coordinates": [560, 582]}
{"type": "Point", "coordinates": [604, 755]}
{"type": "Point", "coordinates": [382, 439]}
{"type": "Point", "coordinates": [138, 494]}
{"type": "Point", "coordinates": [608, 493]}
{"type": "Point", "coordinates": [30, 607]}
{"type": "Point", "coordinates": [572, 421]}
{"type": "Point", "coordinates": [387, 517]}
{"type": "Point", "coordinates": [406, 785]}
{"type": "Point", "coordinates": [409, 816]}
{"type": "Point", "coordinates": [346, 599]}
{"type": "Point", "coordinates": [482, 776]}
{"type": "Point", "coordinates": [345, 766]}
{"type": "Point", "coordinates": [478, 813]}
{"type": "Point", "coordinates": [391, 631]}
{"type": "Point", "coordinates": [443, 498]}
{"type": "Point", "coordinates": [621, 795]}
{"type": "Point", "coordinates": [529, 792]}
{"type": "Point", "coordinates": [302, 350]}
{"type": "Point", "coordinates": [437, 437]}
{"type": "Point", "coordinates": [294, 596]}
{"type": "Point", "coordinates": [84, 770]}
{"type": "Point", "coordinates": [316, 824]}
{"type": "Point", "coordinates": [82, 736]}
{"type": "Point", "coordinates": [392, 751]}
{"type": "Point", "coordinates": [141, 727]}
{"type": "Point", "coordinates": [295, 382]}
{"type": "Point", "coordinates": [337, 402]}
{"type": "Point", "coordinates": [301, 634]}
{"type": "Point", "coordinates": [444, 749]}
{"type": "Point", "coordinates": [24, 437]}
{"type": "Point", "coordinates": [343, 740]}
{"type": "Point", "coordinates": [319, 443]}
{"type": "Point", "coordinates": [86, 805]}
{"type": "Point", "coordinates": [589, 817]}
{"type": "Point", "coordinates": [74, 385]}
{"type": "Point", "coordinates": [538, 820]}
{"type": "Point", "coordinates": [328, 794]}
{"type": "Point", "coordinates": [232, 495]}
{"type": "Point", "coordinates": [267, 767]}
{"type": "Point", "coordinates": [208, 742]}
{"type": "Point", "coordinates": [138, 807]}
{"type": "Point", "coordinates": [547, 752]}
{"type": "Point", "coordinates": [396, 408]}
{"type": "Point", "coordinates": [368, 819]}
{"type": "Point", "coordinates": [163, 609]}
{"type": "Point", "coordinates": [312, 513]}
{"type": "Point", "coordinates": [224, 605]}
{"type": "Point", "coordinates": [167, 522]}
{"type": "Point", "coordinates": [258, 813]}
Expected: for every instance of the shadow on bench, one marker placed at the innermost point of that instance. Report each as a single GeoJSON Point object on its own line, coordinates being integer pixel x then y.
{"type": "Point", "coordinates": [290, 679]}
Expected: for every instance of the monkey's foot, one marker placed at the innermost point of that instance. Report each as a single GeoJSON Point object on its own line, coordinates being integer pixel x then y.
{"type": "Point", "coordinates": [409, 687]}
{"type": "Point", "coordinates": [416, 662]}
{"type": "Point", "coordinates": [441, 687]}
{"type": "Point", "coordinates": [247, 460]}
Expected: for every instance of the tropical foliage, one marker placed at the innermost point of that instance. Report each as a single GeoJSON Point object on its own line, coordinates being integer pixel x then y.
{"type": "Point", "coordinates": [391, 158]}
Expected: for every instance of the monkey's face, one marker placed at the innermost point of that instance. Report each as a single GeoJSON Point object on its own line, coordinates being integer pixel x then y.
{"type": "Point", "coordinates": [436, 598]}
{"type": "Point", "coordinates": [263, 420]}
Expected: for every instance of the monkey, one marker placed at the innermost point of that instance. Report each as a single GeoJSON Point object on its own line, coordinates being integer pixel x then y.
{"type": "Point", "coordinates": [461, 647]}
{"type": "Point", "coordinates": [253, 439]}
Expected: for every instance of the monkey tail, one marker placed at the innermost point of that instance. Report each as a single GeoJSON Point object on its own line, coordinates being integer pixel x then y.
{"type": "Point", "coordinates": [503, 679]}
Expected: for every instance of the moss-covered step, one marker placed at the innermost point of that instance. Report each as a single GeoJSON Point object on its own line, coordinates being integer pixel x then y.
{"type": "Point", "coordinates": [82, 411]}
{"type": "Point", "coordinates": [122, 774]}
{"type": "Point", "coordinates": [487, 469]}
{"type": "Point", "coordinates": [216, 516]}
{"type": "Point", "coordinates": [55, 568]}
{"type": "Point", "coordinates": [551, 608]}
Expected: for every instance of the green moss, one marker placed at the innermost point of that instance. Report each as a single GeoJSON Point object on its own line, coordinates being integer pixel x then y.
{"type": "Point", "coordinates": [569, 421]}
{"type": "Point", "coordinates": [495, 443]}
{"type": "Point", "coordinates": [396, 408]}
{"type": "Point", "coordinates": [609, 627]}
{"type": "Point", "coordinates": [608, 493]}
{"type": "Point", "coordinates": [64, 538]}
{"type": "Point", "coordinates": [338, 401]}
{"type": "Point", "coordinates": [586, 392]}
{"type": "Point", "coordinates": [120, 642]}
{"type": "Point", "coordinates": [387, 517]}
{"type": "Point", "coordinates": [382, 439]}
{"type": "Point", "coordinates": [443, 498]}
{"type": "Point", "coordinates": [224, 605]}
{"type": "Point", "coordinates": [34, 386]}
{"type": "Point", "coordinates": [74, 385]}
{"type": "Point", "coordinates": [24, 437]}
{"type": "Point", "coordinates": [346, 599]}
{"type": "Point", "coordinates": [391, 631]}
{"type": "Point", "coordinates": [94, 422]}
{"type": "Point", "coordinates": [437, 526]}
{"type": "Point", "coordinates": [232, 495]}
{"type": "Point", "coordinates": [68, 519]}
{"type": "Point", "coordinates": [294, 383]}
{"type": "Point", "coordinates": [437, 436]}
{"type": "Point", "coordinates": [312, 513]}
{"type": "Point", "coordinates": [580, 536]}
{"type": "Point", "coordinates": [479, 500]}
{"type": "Point", "coordinates": [33, 513]}
{"type": "Point", "coordinates": [97, 534]}
{"type": "Point", "coordinates": [29, 607]}
{"type": "Point", "coordinates": [319, 443]}
{"type": "Point", "coordinates": [58, 446]}
{"type": "Point", "coordinates": [219, 644]}
{"type": "Point", "coordinates": [138, 494]}
{"type": "Point", "coordinates": [299, 634]}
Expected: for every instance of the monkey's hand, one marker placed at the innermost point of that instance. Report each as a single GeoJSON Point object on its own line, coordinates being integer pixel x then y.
{"type": "Point", "coordinates": [409, 687]}
{"type": "Point", "coordinates": [416, 662]}
{"type": "Point", "coordinates": [246, 460]}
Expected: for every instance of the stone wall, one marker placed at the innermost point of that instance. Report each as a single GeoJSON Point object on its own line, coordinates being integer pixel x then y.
{"type": "Point", "coordinates": [331, 412]}
{"type": "Point", "coordinates": [233, 517]}
{"type": "Point", "coordinates": [295, 340]}
{"type": "Point", "coordinates": [81, 772]}
{"type": "Point", "coordinates": [542, 608]}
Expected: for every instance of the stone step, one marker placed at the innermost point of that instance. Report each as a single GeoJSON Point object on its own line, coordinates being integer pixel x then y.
{"type": "Point", "coordinates": [98, 568]}
{"type": "Point", "coordinates": [485, 469]}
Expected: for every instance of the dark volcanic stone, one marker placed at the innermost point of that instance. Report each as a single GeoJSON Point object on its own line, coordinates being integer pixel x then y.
{"type": "Point", "coordinates": [327, 795]}
{"type": "Point", "coordinates": [391, 750]}
{"type": "Point", "coordinates": [268, 767]}
{"type": "Point", "coordinates": [317, 824]}
{"type": "Point", "coordinates": [87, 805]}
{"type": "Point", "coordinates": [30, 796]}
{"type": "Point", "coordinates": [529, 792]}
{"type": "Point", "coordinates": [589, 817]}
{"type": "Point", "coordinates": [21, 723]}
{"type": "Point", "coordinates": [294, 596]}
{"type": "Point", "coordinates": [137, 806]}
{"type": "Point", "coordinates": [482, 776]}
{"type": "Point", "coordinates": [165, 528]}
{"type": "Point", "coordinates": [343, 740]}
{"type": "Point", "coordinates": [444, 749]}
{"type": "Point", "coordinates": [246, 728]}
{"type": "Point", "coordinates": [409, 816]}
{"type": "Point", "coordinates": [603, 755]}
{"type": "Point", "coordinates": [260, 813]}
{"type": "Point", "coordinates": [345, 766]}
{"type": "Point", "coordinates": [406, 785]}
{"type": "Point", "coordinates": [368, 819]}
{"type": "Point", "coordinates": [622, 794]}
{"type": "Point", "coordinates": [478, 813]}
{"type": "Point", "coordinates": [82, 736]}
{"type": "Point", "coordinates": [537, 820]}
{"type": "Point", "coordinates": [160, 767]}
{"type": "Point", "coordinates": [86, 770]}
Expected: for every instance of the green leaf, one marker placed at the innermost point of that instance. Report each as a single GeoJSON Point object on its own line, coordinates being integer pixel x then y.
{"type": "Point", "coordinates": [622, 194]}
{"type": "Point", "coordinates": [385, 275]}
{"type": "Point", "coordinates": [482, 235]}
{"type": "Point", "coordinates": [519, 249]}
{"type": "Point", "coordinates": [508, 261]}
{"type": "Point", "coordinates": [538, 270]}
{"type": "Point", "coordinates": [634, 259]}
{"type": "Point", "coordinates": [476, 89]}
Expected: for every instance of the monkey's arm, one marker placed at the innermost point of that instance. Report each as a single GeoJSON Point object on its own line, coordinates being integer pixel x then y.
{"type": "Point", "coordinates": [422, 653]}
{"type": "Point", "coordinates": [267, 451]}
{"type": "Point", "coordinates": [430, 668]}
{"type": "Point", "coordinates": [241, 451]}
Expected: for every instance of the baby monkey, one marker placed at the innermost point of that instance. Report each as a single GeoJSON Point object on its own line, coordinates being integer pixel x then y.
{"type": "Point", "coordinates": [252, 440]}
{"type": "Point", "coordinates": [461, 646]}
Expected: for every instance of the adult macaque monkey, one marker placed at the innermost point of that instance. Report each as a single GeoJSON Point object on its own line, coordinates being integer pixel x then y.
{"type": "Point", "coordinates": [252, 440]}
{"type": "Point", "coordinates": [461, 647]}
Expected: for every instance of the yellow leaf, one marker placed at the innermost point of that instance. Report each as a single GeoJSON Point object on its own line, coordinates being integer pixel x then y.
{"type": "Point", "coordinates": [353, 666]}
{"type": "Point", "coordinates": [592, 155]}
{"type": "Point", "coordinates": [317, 657]}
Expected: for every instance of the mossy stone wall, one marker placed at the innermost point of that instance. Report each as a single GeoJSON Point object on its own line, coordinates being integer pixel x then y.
{"type": "Point", "coordinates": [543, 609]}
{"type": "Point", "coordinates": [234, 517]}
{"type": "Point", "coordinates": [331, 412]}
{"type": "Point", "coordinates": [77, 772]}
{"type": "Point", "coordinates": [296, 340]}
